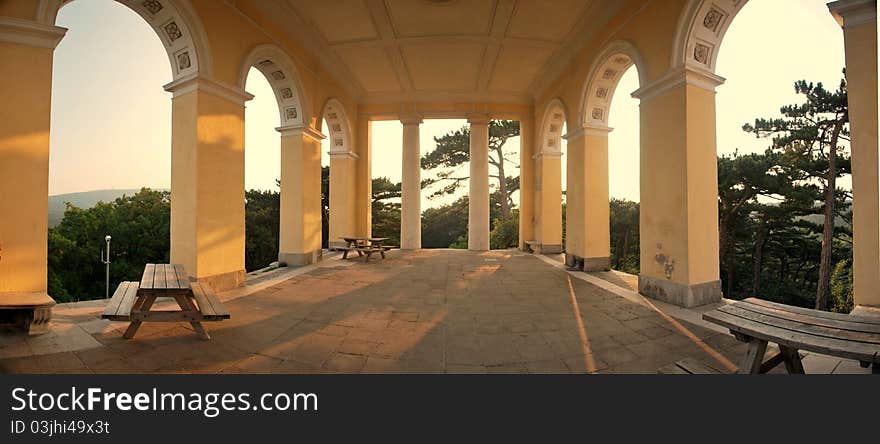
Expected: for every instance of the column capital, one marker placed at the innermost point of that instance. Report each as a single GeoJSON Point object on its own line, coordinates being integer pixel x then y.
{"type": "Point", "coordinates": [850, 13]}
{"type": "Point", "coordinates": [478, 119]}
{"type": "Point", "coordinates": [411, 119]}
{"type": "Point", "coordinates": [686, 75]}
{"type": "Point", "coordinates": [223, 90]}
{"type": "Point", "coordinates": [305, 131]}
{"type": "Point", "coordinates": [588, 130]}
{"type": "Point", "coordinates": [29, 33]}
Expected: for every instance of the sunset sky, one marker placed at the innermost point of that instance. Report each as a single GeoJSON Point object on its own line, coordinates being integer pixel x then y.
{"type": "Point", "coordinates": [111, 119]}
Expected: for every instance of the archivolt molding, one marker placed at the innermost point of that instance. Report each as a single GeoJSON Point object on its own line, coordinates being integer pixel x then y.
{"type": "Point", "coordinates": [603, 78]}
{"type": "Point", "coordinates": [551, 130]}
{"type": "Point", "coordinates": [339, 128]}
{"type": "Point", "coordinates": [174, 21]}
{"type": "Point", "coordinates": [701, 29]}
{"type": "Point", "coordinates": [281, 72]}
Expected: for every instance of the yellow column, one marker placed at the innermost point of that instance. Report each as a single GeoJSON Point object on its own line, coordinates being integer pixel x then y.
{"type": "Point", "coordinates": [574, 200]}
{"type": "Point", "coordinates": [859, 21]}
{"type": "Point", "coordinates": [597, 224]}
{"type": "Point", "coordinates": [343, 183]}
{"type": "Point", "coordinates": [679, 189]}
{"type": "Point", "coordinates": [478, 192]}
{"type": "Point", "coordinates": [411, 189]}
{"type": "Point", "coordinates": [207, 181]}
{"type": "Point", "coordinates": [26, 90]}
{"type": "Point", "coordinates": [548, 200]}
{"type": "Point", "coordinates": [300, 230]}
{"type": "Point", "coordinates": [364, 181]}
{"type": "Point", "coordinates": [527, 179]}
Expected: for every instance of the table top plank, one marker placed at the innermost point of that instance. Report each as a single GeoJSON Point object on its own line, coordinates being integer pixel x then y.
{"type": "Point", "coordinates": [182, 276]}
{"type": "Point", "coordinates": [817, 313]}
{"type": "Point", "coordinates": [171, 280]}
{"type": "Point", "coordinates": [794, 325]}
{"type": "Point", "coordinates": [147, 279]}
{"type": "Point", "coordinates": [159, 277]}
{"type": "Point", "coordinates": [810, 318]}
{"type": "Point", "coordinates": [802, 341]}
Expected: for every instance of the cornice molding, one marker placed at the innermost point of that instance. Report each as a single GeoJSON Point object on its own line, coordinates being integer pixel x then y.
{"type": "Point", "coordinates": [478, 119]}
{"type": "Point", "coordinates": [852, 13]}
{"type": "Point", "coordinates": [225, 91]}
{"type": "Point", "coordinates": [344, 155]}
{"type": "Point", "coordinates": [29, 33]}
{"type": "Point", "coordinates": [305, 131]}
{"type": "Point", "coordinates": [676, 77]}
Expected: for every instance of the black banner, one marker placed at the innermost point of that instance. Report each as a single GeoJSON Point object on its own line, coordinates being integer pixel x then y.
{"type": "Point", "coordinates": [417, 408]}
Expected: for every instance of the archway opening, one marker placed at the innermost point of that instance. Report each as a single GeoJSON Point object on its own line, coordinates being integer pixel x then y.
{"type": "Point", "coordinates": [110, 150]}
{"type": "Point", "coordinates": [623, 172]}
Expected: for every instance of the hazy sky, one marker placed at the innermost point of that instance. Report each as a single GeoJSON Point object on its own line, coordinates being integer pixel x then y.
{"type": "Point", "coordinates": [111, 119]}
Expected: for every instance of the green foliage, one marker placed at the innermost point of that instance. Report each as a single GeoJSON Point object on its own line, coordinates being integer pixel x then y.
{"type": "Point", "coordinates": [386, 210]}
{"type": "Point", "coordinates": [505, 234]}
{"type": "Point", "coordinates": [139, 225]}
{"type": "Point", "coordinates": [446, 225]}
{"type": "Point", "coordinates": [624, 216]}
{"type": "Point", "coordinates": [842, 287]}
{"type": "Point", "coordinates": [261, 213]}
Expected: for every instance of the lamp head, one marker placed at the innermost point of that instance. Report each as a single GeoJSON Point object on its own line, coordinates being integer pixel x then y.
{"type": "Point", "coordinates": [107, 238]}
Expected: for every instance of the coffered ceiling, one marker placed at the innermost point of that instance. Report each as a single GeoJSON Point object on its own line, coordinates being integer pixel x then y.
{"type": "Point", "coordinates": [425, 50]}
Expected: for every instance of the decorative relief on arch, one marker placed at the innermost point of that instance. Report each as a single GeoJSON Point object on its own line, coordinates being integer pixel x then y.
{"type": "Point", "coordinates": [338, 127]}
{"type": "Point", "coordinates": [601, 88]}
{"type": "Point", "coordinates": [168, 22]}
{"type": "Point", "coordinates": [702, 27]}
{"type": "Point", "coordinates": [551, 129]}
{"type": "Point", "coordinates": [282, 77]}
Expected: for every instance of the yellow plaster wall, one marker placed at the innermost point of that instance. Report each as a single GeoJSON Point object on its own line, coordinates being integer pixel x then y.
{"type": "Point", "coordinates": [24, 166]}
{"type": "Point", "coordinates": [343, 174]}
{"type": "Point", "coordinates": [597, 239]}
{"type": "Point", "coordinates": [300, 195]}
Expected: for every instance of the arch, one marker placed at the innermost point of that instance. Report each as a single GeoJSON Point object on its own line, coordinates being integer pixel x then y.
{"type": "Point", "coordinates": [603, 78]}
{"type": "Point", "coordinates": [174, 21]}
{"type": "Point", "coordinates": [700, 30]}
{"type": "Point", "coordinates": [281, 72]}
{"type": "Point", "coordinates": [338, 126]}
{"type": "Point", "coordinates": [551, 127]}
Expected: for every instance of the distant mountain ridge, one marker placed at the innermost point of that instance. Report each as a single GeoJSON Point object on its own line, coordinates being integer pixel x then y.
{"type": "Point", "coordinates": [85, 199]}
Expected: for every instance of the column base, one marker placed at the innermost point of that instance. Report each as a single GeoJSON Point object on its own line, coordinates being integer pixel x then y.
{"type": "Point", "coordinates": [682, 295]}
{"type": "Point", "coordinates": [299, 259]}
{"type": "Point", "coordinates": [597, 263]}
{"type": "Point", "coordinates": [28, 312]}
{"type": "Point", "coordinates": [224, 281]}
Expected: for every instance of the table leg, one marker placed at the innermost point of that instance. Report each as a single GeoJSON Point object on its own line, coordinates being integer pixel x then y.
{"type": "Point", "coordinates": [143, 303]}
{"type": "Point", "coordinates": [793, 362]}
{"type": "Point", "coordinates": [751, 363]}
{"type": "Point", "coordinates": [186, 304]}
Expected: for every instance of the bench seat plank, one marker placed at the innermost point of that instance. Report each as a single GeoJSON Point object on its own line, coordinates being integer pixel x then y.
{"type": "Point", "coordinates": [859, 351]}
{"type": "Point", "coordinates": [211, 307]}
{"type": "Point", "coordinates": [119, 307]}
{"type": "Point", "coordinates": [689, 366]}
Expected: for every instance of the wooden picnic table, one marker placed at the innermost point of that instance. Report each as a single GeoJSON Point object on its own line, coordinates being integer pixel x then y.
{"type": "Point", "coordinates": [364, 246]}
{"type": "Point", "coordinates": [757, 322]}
{"type": "Point", "coordinates": [133, 301]}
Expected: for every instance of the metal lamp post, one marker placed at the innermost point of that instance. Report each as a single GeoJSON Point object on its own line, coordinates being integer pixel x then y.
{"type": "Point", "coordinates": [106, 262]}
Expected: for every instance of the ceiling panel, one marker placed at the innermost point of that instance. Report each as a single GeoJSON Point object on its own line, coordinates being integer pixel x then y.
{"type": "Point", "coordinates": [340, 20]}
{"type": "Point", "coordinates": [414, 18]}
{"type": "Point", "coordinates": [371, 67]}
{"type": "Point", "coordinates": [539, 19]}
{"type": "Point", "coordinates": [516, 67]}
{"type": "Point", "coordinates": [443, 66]}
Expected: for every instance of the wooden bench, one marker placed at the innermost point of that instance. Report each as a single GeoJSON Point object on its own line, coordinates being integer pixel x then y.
{"type": "Point", "coordinates": [28, 311]}
{"type": "Point", "coordinates": [133, 301]}
{"type": "Point", "coordinates": [689, 366]}
{"type": "Point", "coordinates": [757, 322]}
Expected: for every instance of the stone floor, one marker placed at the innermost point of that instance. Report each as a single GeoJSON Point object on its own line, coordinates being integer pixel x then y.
{"type": "Point", "coordinates": [429, 311]}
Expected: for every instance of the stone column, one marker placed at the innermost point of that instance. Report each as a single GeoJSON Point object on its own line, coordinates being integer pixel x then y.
{"type": "Point", "coordinates": [343, 183]}
{"type": "Point", "coordinates": [679, 189]}
{"type": "Point", "coordinates": [527, 204]}
{"type": "Point", "coordinates": [300, 229]}
{"type": "Point", "coordinates": [548, 200]}
{"type": "Point", "coordinates": [411, 190]}
{"type": "Point", "coordinates": [478, 192]}
{"type": "Point", "coordinates": [26, 69]}
{"type": "Point", "coordinates": [574, 200]}
{"type": "Point", "coordinates": [207, 181]}
{"type": "Point", "coordinates": [364, 179]}
{"type": "Point", "coordinates": [597, 217]}
{"type": "Point", "coordinates": [859, 21]}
